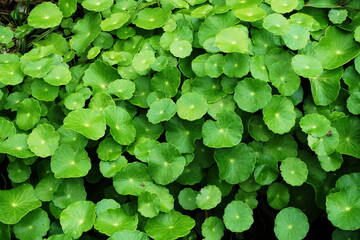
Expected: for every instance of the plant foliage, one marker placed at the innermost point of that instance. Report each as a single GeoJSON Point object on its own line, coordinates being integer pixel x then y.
{"type": "Point", "coordinates": [179, 119]}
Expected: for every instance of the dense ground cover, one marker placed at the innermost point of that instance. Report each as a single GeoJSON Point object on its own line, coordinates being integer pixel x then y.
{"type": "Point", "coordinates": [168, 119]}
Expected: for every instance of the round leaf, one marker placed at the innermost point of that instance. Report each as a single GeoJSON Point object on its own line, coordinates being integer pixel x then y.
{"type": "Point", "coordinates": [225, 132]}
{"type": "Point", "coordinates": [291, 223]}
{"type": "Point", "coordinates": [187, 199]}
{"type": "Point", "coordinates": [235, 164]}
{"type": "Point", "coordinates": [238, 216]}
{"type": "Point", "coordinates": [233, 39]}
{"type": "Point", "coordinates": [208, 197]}
{"type": "Point", "coordinates": [279, 114]}
{"type": "Point", "coordinates": [169, 226]}
{"type": "Point", "coordinates": [43, 140]}
{"type": "Point", "coordinates": [343, 208]}
{"type": "Point", "coordinates": [97, 5]}
{"type": "Point", "coordinates": [88, 122]}
{"type": "Point", "coordinates": [45, 15]}
{"type": "Point", "coordinates": [77, 218]}
{"type": "Point", "coordinates": [336, 48]}
{"type": "Point", "coordinates": [17, 202]}
{"type": "Point", "coordinates": [191, 106]}
{"type": "Point", "coordinates": [70, 163]}
{"type": "Point", "coordinates": [294, 171]}
{"type": "Point", "coordinates": [151, 18]}
{"type": "Point", "coordinates": [33, 226]}
{"type": "Point", "coordinates": [115, 220]}
{"type": "Point", "coordinates": [306, 66]}
{"type": "Point", "coordinates": [165, 163]}
{"type": "Point", "coordinates": [252, 94]}
{"type": "Point", "coordinates": [161, 110]}
{"type": "Point", "coordinates": [212, 228]}
{"type": "Point", "coordinates": [283, 6]}
{"type": "Point", "coordinates": [315, 124]}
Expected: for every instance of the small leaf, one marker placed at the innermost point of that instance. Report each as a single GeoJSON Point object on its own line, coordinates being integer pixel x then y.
{"type": "Point", "coordinates": [238, 216]}
{"type": "Point", "coordinates": [291, 223]}
{"type": "Point", "coordinates": [45, 15]}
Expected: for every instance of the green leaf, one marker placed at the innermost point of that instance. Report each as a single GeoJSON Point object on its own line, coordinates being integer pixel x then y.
{"type": "Point", "coordinates": [34, 225]}
{"type": "Point", "coordinates": [326, 144]}
{"type": "Point", "coordinates": [99, 75]}
{"type": "Point", "coordinates": [69, 191]}
{"type": "Point", "coordinates": [6, 35]}
{"type": "Point", "coordinates": [11, 73]}
{"type": "Point", "coordinates": [235, 164]}
{"type": "Point", "coordinates": [70, 163]}
{"type": "Point", "coordinates": [343, 208]}
{"type": "Point", "coordinates": [297, 37]}
{"type": "Point", "coordinates": [238, 216]}
{"type": "Point", "coordinates": [291, 223]}
{"type": "Point", "coordinates": [44, 91]}
{"type": "Point", "coordinates": [46, 188]}
{"type": "Point", "coordinates": [283, 6]}
{"type": "Point", "coordinates": [97, 5]}
{"type": "Point", "coordinates": [278, 195]}
{"type": "Point", "coordinates": [250, 14]}
{"type": "Point", "coordinates": [209, 88]}
{"type": "Point", "coordinates": [115, 21]}
{"type": "Point", "coordinates": [306, 66]}
{"type": "Point", "coordinates": [212, 228]}
{"type": "Point", "coordinates": [16, 145]}
{"type": "Point", "coordinates": [85, 31]}
{"type": "Point", "coordinates": [331, 162]}
{"type": "Point", "coordinates": [43, 140]}
{"type": "Point", "coordinates": [228, 40]}
{"type": "Point", "coordinates": [208, 197]}
{"type": "Point", "coordinates": [151, 18]}
{"type": "Point", "coordinates": [191, 106]}
{"type": "Point", "coordinates": [88, 122]}
{"type": "Point", "coordinates": [353, 103]}
{"type": "Point", "coordinates": [315, 124]}
{"type": "Point", "coordinates": [166, 81]}
{"type": "Point", "coordinates": [17, 202]}
{"type": "Point", "coordinates": [294, 171]}
{"type": "Point", "coordinates": [148, 204]}
{"type": "Point", "coordinates": [77, 218]}
{"type": "Point", "coordinates": [130, 235]}
{"type": "Point", "coordinates": [325, 88]}
{"type": "Point", "coordinates": [236, 65]}
{"type": "Point", "coordinates": [279, 114]}
{"type": "Point", "coordinates": [181, 48]}
{"type": "Point", "coordinates": [68, 7]}
{"type": "Point", "coordinates": [45, 15]}
{"type": "Point", "coordinates": [131, 179]}
{"type": "Point", "coordinates": [7, 129]}
{"type": "Point", "coordinates": [121, 127]}
{"type": "Point", "coordinates": [283, 77]}
{"type": "Point", "coordinates": [349, 132]}
{"type": "Point", "coordinates": [252, 94]}
{"type": "Point", "coordinates": [187, 199]}
{"type": "Point", "coordinates": [109, 169]}
{"type": "Point", "coordinates": [165, 163]}
{"type": "Point", "coordinates": [122, 88]}
{"type": "Point", "coordinates": [115, 220]}
{"type": "Point", "coordinates": [58, 75]}
{"type": "Point", "coordinates": [337, 16]}
{"type": "Point", "coordinates": [183, 134]}
{"type": "Point", "coordinates": [276, 24]}
{"type": "Point", "coordinates": [225, 132]}
{"type": "Point", "coordinates": [161, 110]}
{"type": "Point", "coordinates": [28, 114]}
{"type": "Point", "coordinates": [169, 226]}
{"type": "Point", "coordinates": [18, 171]}
{"type": "Point", "coordinates": [336, 48]}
